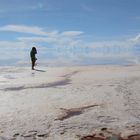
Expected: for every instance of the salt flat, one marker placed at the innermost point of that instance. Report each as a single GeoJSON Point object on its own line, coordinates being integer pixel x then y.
{"type": "Point", "coordinates": [67, 103]}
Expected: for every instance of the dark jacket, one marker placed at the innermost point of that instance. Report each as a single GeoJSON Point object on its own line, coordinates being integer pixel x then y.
{"type": "Point", "coordinates": [33, 53]}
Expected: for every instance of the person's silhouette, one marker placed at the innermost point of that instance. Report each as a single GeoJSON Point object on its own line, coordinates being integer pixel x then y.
{"type": "Point", "coordinates": [33, 57]}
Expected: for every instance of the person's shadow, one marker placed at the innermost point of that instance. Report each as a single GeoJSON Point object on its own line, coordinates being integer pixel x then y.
{"type": "Point", "coordinates": [39, 70]}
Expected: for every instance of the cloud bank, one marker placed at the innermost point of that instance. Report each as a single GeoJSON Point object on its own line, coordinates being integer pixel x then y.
{"type": "Point", "coordinates": [67, 45]}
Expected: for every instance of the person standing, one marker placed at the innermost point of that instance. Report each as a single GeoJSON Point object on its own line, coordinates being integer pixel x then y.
{"type": "Point", "coordinates": [33, 57]}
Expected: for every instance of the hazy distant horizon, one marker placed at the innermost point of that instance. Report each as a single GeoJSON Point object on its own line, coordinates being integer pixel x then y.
{"type": "Point", "coordinates": [93, 61]}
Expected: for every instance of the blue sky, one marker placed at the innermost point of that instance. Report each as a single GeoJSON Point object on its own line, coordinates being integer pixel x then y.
{"type": "Point", "coordinates": [70, 31]}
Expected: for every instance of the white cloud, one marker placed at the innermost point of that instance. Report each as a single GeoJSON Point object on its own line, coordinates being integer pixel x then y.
{"type": "Point", "coordinates": [57, 41]}
{"type": "Point", "coordinates": [72, 33]}
{"type": "Point", "coordinates": [38, 39]}
{"type": "Point", "coordinates": [67, 42]}
{"type": "Point", "coordinates": [12, 49]}
{"type": "Point", "coordinates": [66, 38]}
{"type": "Point", "coordinates": [136, 39]}
{"type": "Point", "coordinates": [24, 29]}
{"type": "Point", "coordinates": [12, 44]}
{"type": "Point", "coordinates": [64, 44]}
{"type": "Point", "coordinates": [111, 44]}
{"type": "Point", "coordinates": [35, 30]}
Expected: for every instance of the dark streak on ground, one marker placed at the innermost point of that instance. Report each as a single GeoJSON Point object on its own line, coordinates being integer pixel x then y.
{"type": "Point", "coordinates": [68, 113]}
{"type": "Point", "coordinates": [49, 85]}
{"type": "Point", "coordinates": [70, 74]}
{"type": "Point", "coordinates": [64, 82]}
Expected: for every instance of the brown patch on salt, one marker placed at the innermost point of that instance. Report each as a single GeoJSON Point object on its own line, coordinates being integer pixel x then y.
{"type": "Point", "coordinates": [93, 137]}
{"type": "Point", "coordinates": [134, 137]}
{"type": "Point", "coordinates": [131, 137]}
{"type": "Point", "coordinates": [68, 113]}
